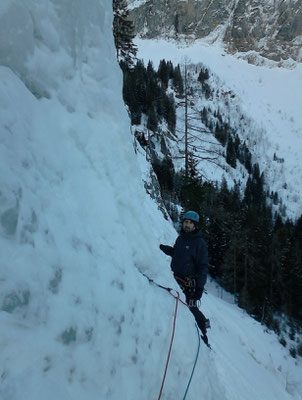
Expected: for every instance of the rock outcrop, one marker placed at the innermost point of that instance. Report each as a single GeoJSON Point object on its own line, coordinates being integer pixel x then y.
{"type": "Point", "coordinates": [272, 28]}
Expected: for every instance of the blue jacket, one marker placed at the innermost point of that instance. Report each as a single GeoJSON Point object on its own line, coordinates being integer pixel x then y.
{"type": "Point", "coordinates": [189, 257]}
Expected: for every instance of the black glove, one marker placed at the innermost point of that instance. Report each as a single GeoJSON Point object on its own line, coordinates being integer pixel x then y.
{"type": "Point", "coordinates": [197, 293]}
{"type": "Point", "coordinates": [161, 246]}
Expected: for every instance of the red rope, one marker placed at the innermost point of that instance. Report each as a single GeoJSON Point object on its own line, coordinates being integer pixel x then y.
{"type": "Point", "coordinates": [171, 342]}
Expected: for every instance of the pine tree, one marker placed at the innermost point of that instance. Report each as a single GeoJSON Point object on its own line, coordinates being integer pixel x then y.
{"type": "Point", "coordinates": [203, 75]}
{"type": "Point", "coordinates": [165, 174]}
{"type": "Point", "coordinates": [231, 153]}
{"type": "Point", "coordinates": [152, 120]}
{"type": "Point", "coordinates": [221, 133]}
{"type": "Point", "coordinates": [123, 31]}
{"type": "Point", "coordinates": [178, 82]}
{"type": "Point", "coordinates": [163, 73]}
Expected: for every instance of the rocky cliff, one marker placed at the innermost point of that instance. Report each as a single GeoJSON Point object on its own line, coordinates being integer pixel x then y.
{"type": "Point", "coordinates": [271, 28]}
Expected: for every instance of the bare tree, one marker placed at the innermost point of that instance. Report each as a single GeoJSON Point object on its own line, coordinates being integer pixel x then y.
{"type": "Point", "coordinates": [199, 143]}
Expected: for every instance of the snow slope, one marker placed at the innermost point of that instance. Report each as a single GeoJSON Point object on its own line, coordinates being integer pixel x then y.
{"type": "Point", "coordinates": [78, 320]}
{"type": "Point", "coordinates": [268, 95]}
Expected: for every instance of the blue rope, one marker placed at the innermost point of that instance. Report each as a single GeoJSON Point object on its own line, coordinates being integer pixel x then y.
{"type": "Point", "coordinates": [196, 358]}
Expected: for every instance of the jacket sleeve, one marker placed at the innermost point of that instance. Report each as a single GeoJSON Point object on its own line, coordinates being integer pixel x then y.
{"type": "Point", "coordinates": [168, 250]}
{"type": "Point", "coordinates": [202, 264]}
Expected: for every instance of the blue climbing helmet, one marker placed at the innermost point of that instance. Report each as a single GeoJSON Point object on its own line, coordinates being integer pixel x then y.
{"type": "Point", "coordinates": [192, 215]}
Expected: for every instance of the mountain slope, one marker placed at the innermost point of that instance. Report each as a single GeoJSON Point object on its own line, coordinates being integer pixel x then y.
{"type": "Point", "coordinates": [79, 321]}
{"type": "Point", "coordinates": [267, 97]}
{"type": "Point", "coordinates": [272, 29]}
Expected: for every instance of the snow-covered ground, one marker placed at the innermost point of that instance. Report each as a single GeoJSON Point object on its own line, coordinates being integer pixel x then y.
{"type": "Point", "coordinates": [78, 320]}
{"type": "Point", "coordinates": [136, 3]}
{"type": "Point", "coordinates": [269, 96]}
{"type": "Point", "coordinates": [243, 348]}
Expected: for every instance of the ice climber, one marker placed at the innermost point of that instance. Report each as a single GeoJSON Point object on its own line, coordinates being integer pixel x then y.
{"type": "Point", "coordinates": [190, 266]}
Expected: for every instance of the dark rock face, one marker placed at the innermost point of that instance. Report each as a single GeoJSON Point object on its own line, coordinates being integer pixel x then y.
{"type": "Point", "coordinates": [272, 28]}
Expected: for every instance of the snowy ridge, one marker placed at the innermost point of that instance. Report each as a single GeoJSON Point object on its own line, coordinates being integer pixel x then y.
{"type": "Point", "coordinates": [78, 320]}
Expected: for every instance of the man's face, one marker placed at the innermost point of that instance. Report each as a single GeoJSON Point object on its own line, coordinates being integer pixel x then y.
{"type": "Point", "coordinates": [188, 225]}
